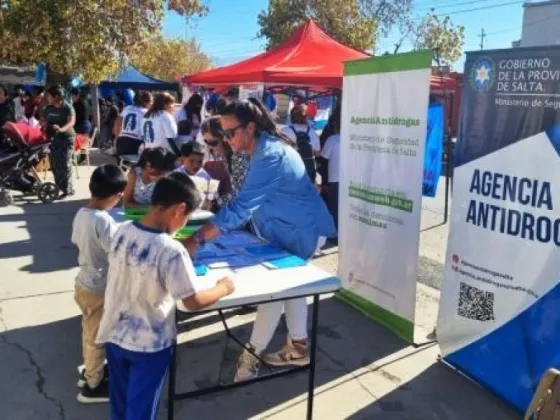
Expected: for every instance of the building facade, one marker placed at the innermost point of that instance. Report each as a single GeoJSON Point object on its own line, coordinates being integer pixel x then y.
{"type": "Point", "coordinates": [541, 24]}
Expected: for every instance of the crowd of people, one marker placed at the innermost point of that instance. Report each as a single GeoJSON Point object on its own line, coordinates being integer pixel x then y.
{"type": "Point", "coordinates": [132, 274]}
{"type": "Point", "coordinates": [154, 122]}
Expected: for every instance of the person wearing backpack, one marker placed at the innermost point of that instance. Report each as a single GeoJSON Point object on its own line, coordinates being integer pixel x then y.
{"type": "Point", "coordinates": [305, 138]}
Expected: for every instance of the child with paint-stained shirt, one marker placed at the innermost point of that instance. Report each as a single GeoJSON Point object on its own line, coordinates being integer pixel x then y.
{"type": "Point", "coordinates": [148, 272]}
{"type": "Point", "coordinates": [92, 232]}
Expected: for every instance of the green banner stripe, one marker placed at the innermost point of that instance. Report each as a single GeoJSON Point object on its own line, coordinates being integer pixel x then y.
{"type": "Point", "coordinates": [415, 60]}
{"type": "Point", "coordinates": [400, 326]}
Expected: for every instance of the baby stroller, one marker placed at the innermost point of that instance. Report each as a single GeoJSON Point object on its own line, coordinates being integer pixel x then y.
{"type": "Point", "coordinates": [21, 148]}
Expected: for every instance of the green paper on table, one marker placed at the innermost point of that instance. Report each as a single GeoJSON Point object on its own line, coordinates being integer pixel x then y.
{"type": "Point", "coordinates": [137, 214]}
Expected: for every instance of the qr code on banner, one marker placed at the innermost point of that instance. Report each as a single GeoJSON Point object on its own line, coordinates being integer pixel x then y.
{"type": "Point", "coordinates": [475, 303]}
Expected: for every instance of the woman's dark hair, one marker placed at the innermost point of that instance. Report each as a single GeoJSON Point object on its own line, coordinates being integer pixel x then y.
{"type": "Point", "coordinates": [142, 98]}
{"type": "Point", "coordinates": [161, 101]}
{"type": "Point", "coordinates": [57, 92]}
{"type": "Point", "coordinates": [3, 89]}
{"type": "Point", "coordinates": [298, 114]}
{"type": "Point", "coordinates": [107, 180]}
{"type": "Point", "coordinates": [213, 126]}
{"type": "Point", "coordinates": [194, 107]}
{"type": "Point", "coordinates": [176, 188]}
{"type": "Point", "coordinates": [159, 159]}
{"type": "Point", "coordinates": [75, 91]}
{"type": "Point", "coordinates": [254, 111]}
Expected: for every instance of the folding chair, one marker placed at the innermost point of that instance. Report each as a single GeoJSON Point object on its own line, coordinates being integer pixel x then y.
{"type": "Point", "coordinates": [82, 148]}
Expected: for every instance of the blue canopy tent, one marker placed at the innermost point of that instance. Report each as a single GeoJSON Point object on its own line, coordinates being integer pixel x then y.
{"type": "Point", "coordinates": [131, 78]}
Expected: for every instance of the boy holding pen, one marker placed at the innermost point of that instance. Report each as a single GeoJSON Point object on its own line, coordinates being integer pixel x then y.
{"type": "Point", "coordinates": [148, 272]}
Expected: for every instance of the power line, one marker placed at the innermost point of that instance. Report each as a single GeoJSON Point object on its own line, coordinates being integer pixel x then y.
{"type": "Point", "coordinates": [444, 6]}
{"type": "Point", "coordinates": [527, 25]}
{"type": "Point", "coordinates": [481, 8]}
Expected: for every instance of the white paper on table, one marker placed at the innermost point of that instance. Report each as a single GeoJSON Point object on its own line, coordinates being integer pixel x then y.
{"type": "Point", "coordinates": [252, 269]}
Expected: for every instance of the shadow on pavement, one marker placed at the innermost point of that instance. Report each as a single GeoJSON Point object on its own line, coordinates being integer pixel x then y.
{"type": "Point", "coordinates": [49, 228]}
{"type": "Point", "coordinates": [40, 379]}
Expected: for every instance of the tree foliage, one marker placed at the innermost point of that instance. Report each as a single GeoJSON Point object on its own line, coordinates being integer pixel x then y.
{"type": "Point", "coordinates": [442, 36]}
{"type": "Point", "coordinates": [89, 37]}
{"type": "Point", "coordinates": [168, 58]}
{"type": "Point", "coordinates": [356, 23]}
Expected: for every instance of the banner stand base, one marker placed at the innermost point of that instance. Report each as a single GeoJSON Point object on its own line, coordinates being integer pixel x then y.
{"type": "Point", "coordinates": [400, 326]}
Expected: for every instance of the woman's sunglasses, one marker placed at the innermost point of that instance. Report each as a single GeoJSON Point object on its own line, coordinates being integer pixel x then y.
{"type": "Point", "coordinates": [212, 142]}
{"type": "Point", "coordinates": [230, 132]}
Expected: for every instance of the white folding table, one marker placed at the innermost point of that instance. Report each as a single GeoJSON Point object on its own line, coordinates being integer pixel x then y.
{"type": "Point", "coordinates": [253, 287]}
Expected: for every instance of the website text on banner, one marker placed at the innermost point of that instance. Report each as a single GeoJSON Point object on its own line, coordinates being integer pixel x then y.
{"type": "Point", "coordinates": [499, 320]}
{"type": "Point", "coordinates": [384, 112]}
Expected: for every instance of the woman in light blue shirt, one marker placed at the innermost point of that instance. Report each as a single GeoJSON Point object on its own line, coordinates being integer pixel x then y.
{"type": "Point", "coordinates": [285, 209]}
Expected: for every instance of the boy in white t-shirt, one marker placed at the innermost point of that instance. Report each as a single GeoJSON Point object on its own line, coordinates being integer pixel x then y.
{"type": "Point", "coordinates": [92, 232]}
{"type": "Point", "coordinates": [148, 272]}
{"type": "Point", "coordinates": [331, 152]}
{"type": "Point", "coordinates": [192, 159]}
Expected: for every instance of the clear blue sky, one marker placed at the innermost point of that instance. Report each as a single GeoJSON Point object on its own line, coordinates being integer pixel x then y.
{"type": "Point", "coordinates": [228, 32]}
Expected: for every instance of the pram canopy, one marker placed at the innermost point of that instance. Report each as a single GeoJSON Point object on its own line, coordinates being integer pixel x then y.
{"type": "Point", "coordinates": [22, 134]}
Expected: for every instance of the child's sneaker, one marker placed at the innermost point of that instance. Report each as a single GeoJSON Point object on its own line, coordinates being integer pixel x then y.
{"type": "Point", "coordinates": [247, 367]}
{"type": "Point", "coordinates": [294, 353]}
{"type": "Point", "coordinates": [82, 375]}
{"type": "Point", "coordinates": [99, 394]}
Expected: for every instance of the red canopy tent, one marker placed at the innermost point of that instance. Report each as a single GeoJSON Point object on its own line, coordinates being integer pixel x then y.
{"type": "Point", "coordinates": [307, 58]}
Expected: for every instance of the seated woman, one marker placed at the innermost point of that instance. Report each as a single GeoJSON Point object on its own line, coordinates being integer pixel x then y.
{"type": "Point", "coordinates": [237, 163]}
{"type": "Point", "coordinates": [153, 164]}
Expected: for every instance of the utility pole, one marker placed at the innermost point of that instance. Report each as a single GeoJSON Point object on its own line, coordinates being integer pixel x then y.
{"type": "Point", "coordinates": [482, 36]}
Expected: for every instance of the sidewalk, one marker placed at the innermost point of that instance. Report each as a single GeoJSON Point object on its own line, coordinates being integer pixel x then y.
{"type": "Point", "coordinates": [363, 371]}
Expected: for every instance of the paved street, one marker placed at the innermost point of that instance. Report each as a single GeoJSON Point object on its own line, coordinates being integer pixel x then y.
{"type": "Point", "coordinates": [363, 372]}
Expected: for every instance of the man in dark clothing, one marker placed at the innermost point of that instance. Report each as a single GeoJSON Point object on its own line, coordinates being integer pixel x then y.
{"type": "Point", "coordinates": [6, 109]}
{"type": "Point", "coordinates": [81, 107]}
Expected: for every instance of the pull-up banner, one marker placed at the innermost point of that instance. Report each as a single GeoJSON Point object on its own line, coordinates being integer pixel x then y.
{"type": "Point", "coordinates": [499, 319]}
{"type": "Point", "coordinates": [384, 113]}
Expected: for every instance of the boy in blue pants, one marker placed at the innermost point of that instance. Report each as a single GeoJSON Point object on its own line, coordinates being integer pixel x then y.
{"type": "Point", "coordinates": [148, 272]}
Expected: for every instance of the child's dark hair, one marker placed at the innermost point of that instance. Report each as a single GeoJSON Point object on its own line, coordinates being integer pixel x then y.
{"type": "Point", "coordinates": [107, 180]}
{"type": "Point", "coordinates": [192, 148]}
{"type": "Point", "coordinates": [176, 188]}
{"type": "Point", "coordinates": [159, 159]}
